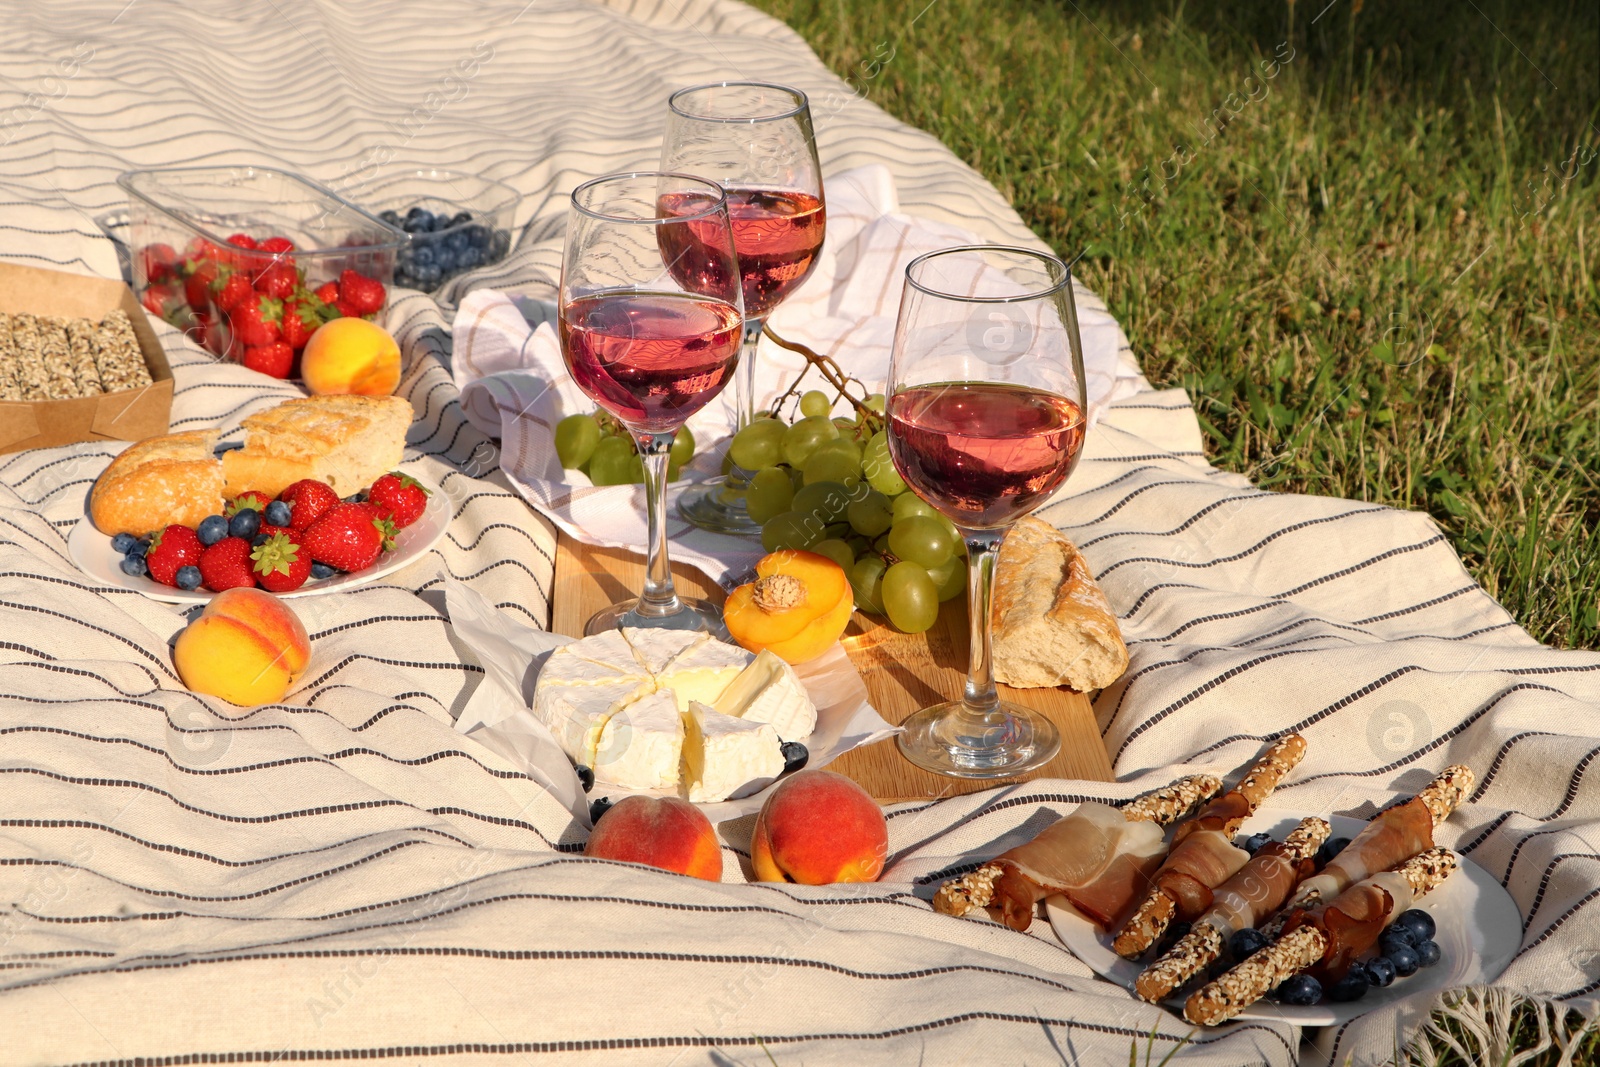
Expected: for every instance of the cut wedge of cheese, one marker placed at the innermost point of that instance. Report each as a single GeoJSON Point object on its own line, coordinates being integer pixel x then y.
{"type": "Point", "coordinates": [577, 714]}
{"type": "Point", "coordinates": [769, 691]}
{"type": "Point", "coordinates": [655, 649]}
{"type": "Point", "coordinates": [568, 666]}
{"type": "Point", "coordinates": [722, 754]}
{"type": "Point", "coordinates": [701, 672]}
{"type": "Point", "coordinates": [609, 649]}
{"type": "Point", "coordinates": [641, 746]}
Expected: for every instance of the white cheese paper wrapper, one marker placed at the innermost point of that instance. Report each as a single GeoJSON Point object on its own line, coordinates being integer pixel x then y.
{"type": "Point", "coordinates": [498, 715]}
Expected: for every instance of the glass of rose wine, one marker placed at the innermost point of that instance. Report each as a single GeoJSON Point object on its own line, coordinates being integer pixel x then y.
{"type": "Point", "coordinates": [650, 324]}
{"type": "Point", "coordinates": [985, 421]}
{"type": "Point", "coordinates": [756, 140]}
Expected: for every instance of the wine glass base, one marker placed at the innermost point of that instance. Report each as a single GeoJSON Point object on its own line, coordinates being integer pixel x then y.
{"type": "Point", "coordinates": [692, 614]}
{"type": "Point", "coordinates": [1010, 741]}
{"type": "Point", "coordinates": [714, 506]}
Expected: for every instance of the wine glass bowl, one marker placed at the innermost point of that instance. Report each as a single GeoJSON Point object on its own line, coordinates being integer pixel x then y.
{"type": "Point", "coordinates": [650, 322]}
{"type": "Point", "coordinates": [985, 421]}
{"type": "Point", "coordinates": [756, 140]}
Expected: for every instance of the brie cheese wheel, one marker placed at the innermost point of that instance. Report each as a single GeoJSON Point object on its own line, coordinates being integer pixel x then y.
{"type": "Point", "coordinates": [701, 672]}
{"type": "Point", "coordinates": [654, 649]}
{"type": "Point", "coordinates": [577, 714]}
{"type": "Point", "coordinates": [769, 691]}
{"type": "Point", "coordinates": [609, 649]}
{"type": "Point", "coordinates": [721, 754]}
{"type": "Point", "coordinates": [641, 746]}
{"type": "Point", "coordinates": [568, 666]}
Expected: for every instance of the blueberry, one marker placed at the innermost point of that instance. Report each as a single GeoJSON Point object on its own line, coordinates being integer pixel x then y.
{"type": "Point", "coordinates": [140, 547]}
{"type": "Point", "coordinates": [794, 756]}
{"type": "Point", "coordinates": [1399, 935]}
{"type": "Point", "coordinates": [1352, 986]}
{"type": "Point", "coordinates": [585, 777]}
{"type": "Point", "coordinates": [445, 260]}
{"type": "Point", "coordinates": [418, 219]}
{"type": "Point", "coordinates": [187, 577]}
{"type": "Point", "coordinates": [423, 256]}
{"type": "Point", "coordinates": [1418, 923]}
{"type": "Point", "coordinates": [246, 523]}
{"type": "Point", "coordinates": [134, 566]}
{"type": "Point", "coordinates": [1254, 842]}
{"type": "Point", "coordinates": [501, 243]}
{"type": "Point", "coordinates": [458, 242]}
{"type": "Point", "coordinates": [322, 570]}
{"type": "Point", "coordinates": [1247, 942]}
{"type": "Point", "coordinates": [429, 276]}
{"type": "Point", "coordinates": [390, 216]}
{"type": "Point", "coordinates": [1405, 960]}
{"type": "Point", "coordinates": [227, 446]}
{"type": "Point", "coordinates": [212, 529]}
{"type": "Point", "coordinates": [598, 808]}
{"type": "Point", "coordinates": [460, 217]}
{"type": "Point", "coordinates": [1336, 846]}
{"type": "Point", "coordinates": [1428, 953]}
{"type": "Point", "coordinates": [277, 513]}
{"type": "Point", "coordinates": [469, 258]}
{"type": "Point", "coordinates": [1299, 990]}
{"type": "Point", "coordinates": [122, 542]}
{"type": "Point", "coordinates": [479, 237]}
{"type": "Point", "coordinates": [1380, 971]}
{"type": "Point", "coordinates": [260, 539]}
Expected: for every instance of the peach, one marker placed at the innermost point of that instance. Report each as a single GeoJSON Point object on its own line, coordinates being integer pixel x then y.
{"type": "Point", "coordinates": [351, 356]}
{"type": "Point", "coordinates": [819, 827]}
{"type": "Point", "coordinates": [247, 647]}
{"type": "Point", "coordinates": [667, 832]}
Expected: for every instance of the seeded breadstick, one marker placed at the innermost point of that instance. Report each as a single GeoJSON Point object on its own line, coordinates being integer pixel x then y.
{"type": "Point", "coordinates": [10, 388]}
{"type": "Point", "coordinates": [1446, 792]}
{"type": "Point", "coordinates": [82, 346]}
{"type": "Point", "coordinates": [975, 889]}
{"type": "Point", "coordinates": [33, 379]}
{"type": "Point", "coordinates": [118, 356]}
{"type": "Point", "coordinates": [56, 351]}
{"type": "Point", "coordinates": [1304, 946]}
{"type": "Point", "coordinates": [1165, 806]}
{"type": "Point", "coordinates": [1259, 888]}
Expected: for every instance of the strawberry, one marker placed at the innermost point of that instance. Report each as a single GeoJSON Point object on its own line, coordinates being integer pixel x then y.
{"type": "Point", "coordinates": [349, 537]}
{"type": "Point", "coordinates": [226, 565]}
{"type": "Point", "coordinates": [328, 292]}
{"type": "Point", "coordinates": [250, 498]}
{"type": "Point", "coordinates": [159, 298]}
{"type": "Point", "coordinates": [308, 500]}
{"type": "Point", "coordinates": [360, 292]}
{"type": "Point", "coordinates": [347, 309]}
{"type": "Point", "coordinates": [399, 497]}
{"type": "Point", "coordinates": [276, 245]}
{"type": "Point", "coordinates": [159, 262]}
{"type": "Point", "coordinates": [243, 240]}
{"type": "Point", "coordinates": [281, 566]}
{"type": "Point", "coordinates": [277, 279]}
{"type": "Point", "coordinates": [255, 321]}
{"type": "Point", "coordinates": [299, 323]}
{"type": "Point", "coordinates": [199, 248]}
{"type": "Point", "coordinates": [234, 292]}
{"type": "Point", "coordinates": [197, 286]}
{"type": "Point", "coordinates": [274, 360]}
{"type": "Point", "coordinates": [174, 547]}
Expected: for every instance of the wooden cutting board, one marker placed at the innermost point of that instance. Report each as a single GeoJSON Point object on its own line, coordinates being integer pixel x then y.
{"type": "Point", "coordinates": [903, 672]}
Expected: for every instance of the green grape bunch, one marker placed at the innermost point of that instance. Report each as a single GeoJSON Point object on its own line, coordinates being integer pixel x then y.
{"type": "Point", "coordinates": [827, 485]}
{"type": "Point", "coordinates": [604, 450]}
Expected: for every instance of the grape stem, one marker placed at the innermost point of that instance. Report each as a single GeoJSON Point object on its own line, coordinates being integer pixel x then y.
{"type": "Point", "coordinates": [830, 371]}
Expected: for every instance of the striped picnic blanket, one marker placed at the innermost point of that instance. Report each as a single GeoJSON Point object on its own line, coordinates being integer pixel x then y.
{"type": "Point", "coordinates": [343, 876]}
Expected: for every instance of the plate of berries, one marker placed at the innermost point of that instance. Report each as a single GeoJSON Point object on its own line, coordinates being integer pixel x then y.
{"type": "Point", "coordinates": [304, 542]}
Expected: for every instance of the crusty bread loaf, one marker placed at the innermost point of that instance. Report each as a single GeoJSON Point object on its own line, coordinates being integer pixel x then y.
{"type": "Point", "coordinates": [346, 441]}
{"type": "Point", "coordinates": [1052, 624]}
{"type": "Point", "coordinates": [156, 482]}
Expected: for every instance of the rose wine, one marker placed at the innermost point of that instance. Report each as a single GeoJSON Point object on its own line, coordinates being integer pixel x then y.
{"type": "Point", "coordinates": [984, 453]}
{"type": "Point", "coordinates": [777, 235]}
{"type": "Point", "coordinates": [652, 359]}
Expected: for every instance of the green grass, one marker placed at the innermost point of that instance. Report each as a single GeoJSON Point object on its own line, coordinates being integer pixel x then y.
{"type": "Point", "coordinates": [1377, 278]}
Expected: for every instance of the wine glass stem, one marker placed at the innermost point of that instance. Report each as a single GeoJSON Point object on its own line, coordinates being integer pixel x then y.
{"type": "Point", "coordinates": [659, 598]}
{"type": "Point", "coordinates": [738, 479]}
{"type": "Point", "coordinates": [981, 700]}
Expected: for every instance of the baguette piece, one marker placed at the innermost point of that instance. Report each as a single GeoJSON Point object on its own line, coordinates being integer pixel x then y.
{"type": "Point", "coordinates": [1052, 624]}
{"type": "Point", "coordinates": [173, 478]}
{"type": "Point", "coordinates": [345, 440]}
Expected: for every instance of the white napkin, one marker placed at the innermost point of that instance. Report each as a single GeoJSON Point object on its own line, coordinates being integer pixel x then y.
{"type": "Point", "coordinates": [514, 385]}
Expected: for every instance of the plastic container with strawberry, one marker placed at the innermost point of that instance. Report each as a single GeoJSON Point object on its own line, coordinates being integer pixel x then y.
{"type": "Point", "coordinates": [249, 261]}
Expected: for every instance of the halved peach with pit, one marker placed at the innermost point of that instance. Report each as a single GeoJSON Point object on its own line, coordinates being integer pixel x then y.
{"type": "Point", "coordinates": [797, 607]}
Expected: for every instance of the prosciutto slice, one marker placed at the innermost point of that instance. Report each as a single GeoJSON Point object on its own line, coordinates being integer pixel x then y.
{"type": "Point", "coordinates": [1354, 921]}
{"type": "Point", "coordinates": [1087, 854]}
{"type": "Point", "coordinates": [1259, 888]}
{"type": "Point", "coordinates": [1202, 862]}
{"type": "Point", "coordinates": [1225, 813]}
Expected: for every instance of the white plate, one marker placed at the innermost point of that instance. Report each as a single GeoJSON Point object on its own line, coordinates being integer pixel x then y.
{"type": "Point", "coordinates": [1479, 932]}
{"type": "Point", "coordinates": [91, 550]}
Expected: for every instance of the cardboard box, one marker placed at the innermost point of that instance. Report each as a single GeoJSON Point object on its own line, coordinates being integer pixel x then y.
{"type": "Point", "coordinates": [130, 415]}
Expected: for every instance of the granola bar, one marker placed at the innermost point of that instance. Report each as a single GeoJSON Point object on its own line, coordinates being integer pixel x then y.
{"type": "Point", "coordinates": [118, 356]}
{"type": "Point", "coordinates": [33, 377]}
{"type": "Point", "coordinates": [82, 348]}
{"type": "Point", "coordinates": [10, 387]}
{"type": "Point", "coordinates": [56, 351]}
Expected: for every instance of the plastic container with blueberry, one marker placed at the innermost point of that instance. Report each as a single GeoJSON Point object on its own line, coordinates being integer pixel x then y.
{"type": "Point", "coordinates": [458, 222]}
